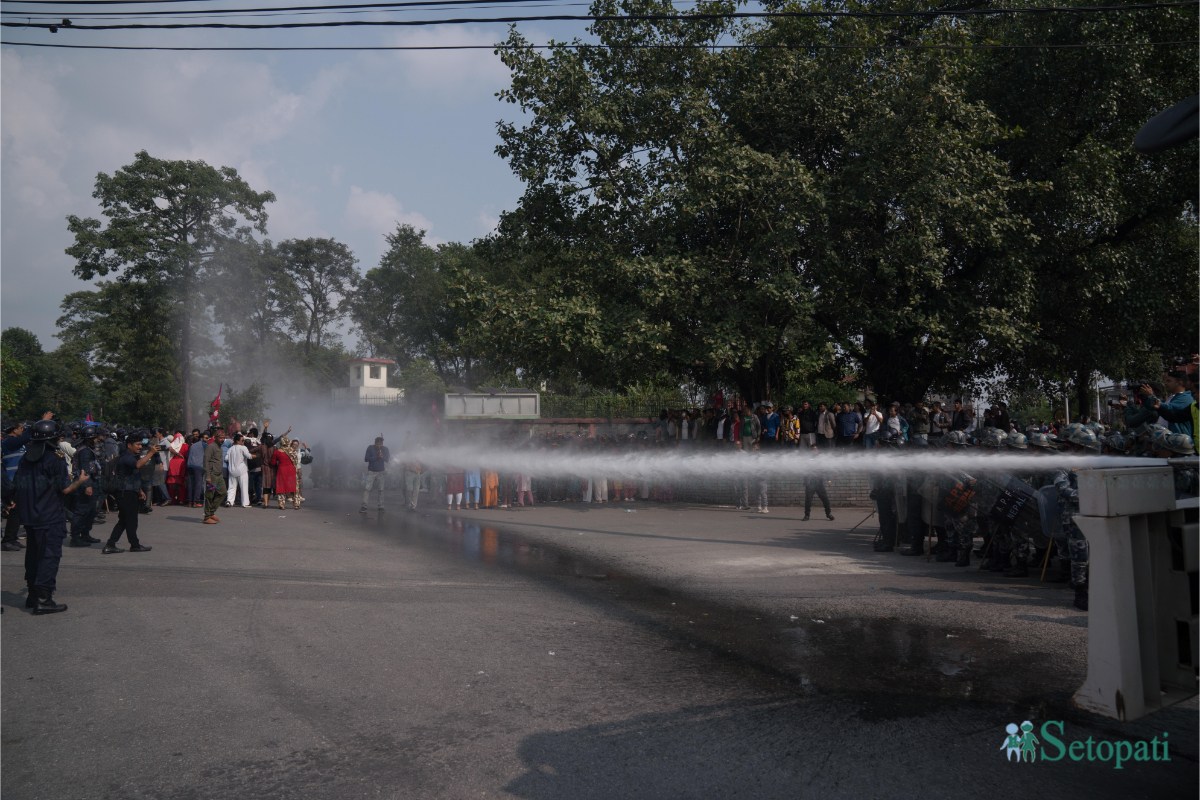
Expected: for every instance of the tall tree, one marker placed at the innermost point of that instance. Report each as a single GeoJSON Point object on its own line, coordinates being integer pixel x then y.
{"type": "Point", "coordinates": [1115, 266]}
{"type": "Point", "coordinates": [119, 330]}
{"type": "Point", "coordinates": [253, 324]}
{"type": "Point", "coordinates": [14, 378]}
{"type": "Point", "coordinates": [719, 215]}
{"type": "Point", "coordinates": [843, 181]}
{"type": "Point", "coordinates": [323, 278]}
{"type": "Point", "coordinates": [22, 371]}
{"type": "Point", "coordinates": [404, 307]}
{"type": "Point", "coordinates": [165, 218]}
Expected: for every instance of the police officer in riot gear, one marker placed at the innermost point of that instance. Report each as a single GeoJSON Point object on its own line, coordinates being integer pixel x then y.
{"type": "Point", "coordinates": [41, 484]}
{"type": "Point", "coordinates": [86, 502]}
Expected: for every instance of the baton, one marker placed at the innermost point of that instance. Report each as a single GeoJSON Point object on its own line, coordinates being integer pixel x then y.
{"type": "Point", "coordinates": [864, 519]}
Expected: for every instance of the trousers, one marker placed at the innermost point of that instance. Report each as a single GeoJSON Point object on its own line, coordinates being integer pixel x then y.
{"type": "Point", "coordinates": [128, 508]}
{"type": "Point", "coordinates": [374, 480]}
{"type": "Point", "coordinates": [213, 498]}
{"type": "Point", "coordinates": [84, 514]}
{"type": "Point", "coordinates": [43, 552]}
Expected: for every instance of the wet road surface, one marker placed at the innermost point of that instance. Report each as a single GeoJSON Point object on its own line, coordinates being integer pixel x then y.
{"type": "Point", "coordinates": [324, 653]}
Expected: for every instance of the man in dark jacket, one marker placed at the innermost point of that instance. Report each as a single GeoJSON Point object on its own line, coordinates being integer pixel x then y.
{"type": "Point", "coordinates": [40, 485]}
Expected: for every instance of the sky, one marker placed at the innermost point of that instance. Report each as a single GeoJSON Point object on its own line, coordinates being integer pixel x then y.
{"type": "Point", "coordinates": [350, 142]}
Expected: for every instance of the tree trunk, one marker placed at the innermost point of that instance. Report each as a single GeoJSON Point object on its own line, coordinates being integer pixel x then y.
{"type": "Point", "coordinates": [891, 370]}
{"type": "Point", "coordinates": [185, 379]}
{"type": "Point", "coordinates": [1083, 393]}
{"type": "Point", "coordinates": [185, 345]}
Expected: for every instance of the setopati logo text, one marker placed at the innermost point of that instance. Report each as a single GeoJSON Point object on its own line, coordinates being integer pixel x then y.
{"type": "Point", "coordinates": [1021, 744]}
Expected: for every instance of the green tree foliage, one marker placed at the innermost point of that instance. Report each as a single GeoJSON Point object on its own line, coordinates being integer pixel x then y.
{"type": "Point", "coordinates": [59, 381]}
{"type": "Point", "coordinates": [14, 378]}
{"type": "Point", "coordinates": [65, 386]}
{"type": "Point", "coordinates": [164, 220]}
{"type": "Point", "coordinates": [717, 215]}
{"type": "Point", "coordinates": [244, 404]}
{"type": "Point", "coordinates": [323, 277]}
{"type": "Point", "coordinates": [22, 371]}
{"type": "Point", "coordinates": [254, 302]}
{"type": "Point", "coordinates": [120, 331]}
{"type": "Point", "coordinates": [404, 310]}
{"type": "Point", "coordinates": [880, 189]}
{"type": "Point", "coordinates": [1115, 265]}
{"type": "Point", "coordinates": [422, 384]}
{"type": "Point", "coordinates": [318, 368]}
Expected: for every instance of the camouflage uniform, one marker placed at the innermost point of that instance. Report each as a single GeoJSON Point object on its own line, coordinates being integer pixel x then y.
{"type": "Point", "coordinates": [883, 491]}
{"type": "Point", "coordinates": [962, 515]}
{"type": "Point", "coordinates": [1072, 545]}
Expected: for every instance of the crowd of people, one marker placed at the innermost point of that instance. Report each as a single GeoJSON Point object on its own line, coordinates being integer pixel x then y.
{"type": "Point", "coordinates": [61, 481]}
{"type": "Point", "coordinates": [866, 424]}
{"type": "Point", "coordinates": [1017, 520]}
{"type": "Point", "coordinates": [68, 478]}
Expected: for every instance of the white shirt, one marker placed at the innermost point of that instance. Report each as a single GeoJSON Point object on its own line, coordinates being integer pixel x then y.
{"type": "Point", "coordinates": [236, 458]}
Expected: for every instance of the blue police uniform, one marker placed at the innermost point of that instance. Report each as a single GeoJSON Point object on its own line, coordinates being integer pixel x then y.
{"type": "Point", "coordinates": [129, 482]}
{"type": "Point", "coordinates": [39, 483]}
{"type": "Point", "coordinates": [13, 448]}
{"type": "Point", "coordinates": [85, 506]}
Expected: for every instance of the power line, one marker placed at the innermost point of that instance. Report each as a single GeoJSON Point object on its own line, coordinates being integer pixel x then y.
{"type": "Point", "coordinates": [485, 5]}
{"type": "Point", "coordinates": [578, 46]}
{"type": "Point", "coordinates": [697, 17]}
{"type": "Point", "coordinates": [335, 8]}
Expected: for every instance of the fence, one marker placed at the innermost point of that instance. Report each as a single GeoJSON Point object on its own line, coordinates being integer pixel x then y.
{"type": "Point", "coordinates": [610, 406]}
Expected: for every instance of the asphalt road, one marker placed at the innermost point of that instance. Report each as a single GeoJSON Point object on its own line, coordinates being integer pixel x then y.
{"type": "Point", "coordinates": [556, 652]}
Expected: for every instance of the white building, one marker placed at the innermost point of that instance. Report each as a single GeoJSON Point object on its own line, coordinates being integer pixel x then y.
{"type": "Point", "coordinates": [368, 384]}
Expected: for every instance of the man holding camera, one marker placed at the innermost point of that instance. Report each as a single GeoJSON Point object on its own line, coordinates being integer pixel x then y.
{"type": "Point", "coordinates": [130, 494]}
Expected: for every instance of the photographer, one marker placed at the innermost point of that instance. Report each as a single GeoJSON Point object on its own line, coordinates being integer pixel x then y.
{"type": "Point", "coordinates": [1144, 409]}
{"type": "Point", "coordinates": [1179, 410]}
{"type": "Point", "coordinates": [130, 494]}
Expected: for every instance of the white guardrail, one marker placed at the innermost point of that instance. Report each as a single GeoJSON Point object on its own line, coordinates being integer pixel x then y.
{"type": "Point", "coordinates": [1142, 597]}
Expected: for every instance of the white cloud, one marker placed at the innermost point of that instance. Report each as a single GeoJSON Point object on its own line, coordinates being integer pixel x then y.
{"type": "Point", "coordinates": [35, 144]}
{"type": "Point", "coordinates": [200, 106]}
{"type": "Point", "coordinates": [380, 212]}
{"type": "Point", "coordinates": [488, 220]}
{"type": "Point", "coordinates": [445, 73]}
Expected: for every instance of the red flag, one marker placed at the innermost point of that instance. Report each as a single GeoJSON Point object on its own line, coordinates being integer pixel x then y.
{"type": "Point", "coordinates": [216, 406]}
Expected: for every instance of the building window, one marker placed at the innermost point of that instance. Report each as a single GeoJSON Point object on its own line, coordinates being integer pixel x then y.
{"type": "Point", "coordinates": [358, 372]}
{"type": "Point", "coordinates": [374, 373]}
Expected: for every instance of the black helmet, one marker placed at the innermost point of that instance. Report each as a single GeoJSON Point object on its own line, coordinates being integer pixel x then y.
{"type": "Point", "coordinates": [44, 430]}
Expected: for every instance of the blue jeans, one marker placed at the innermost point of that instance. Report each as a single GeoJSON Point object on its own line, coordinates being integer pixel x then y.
{"type": "Point", "coordinates": [195, 484]}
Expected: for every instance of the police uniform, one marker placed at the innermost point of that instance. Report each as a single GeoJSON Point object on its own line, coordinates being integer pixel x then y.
{"type": "Point", "coordinates": [129, 480]}
{"type": "Point", "coordinates": [14, 448]}
{"type": "Point", "coordinates": [85, 506]}
{"type": "Point", "coordinates": [41, 481]}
